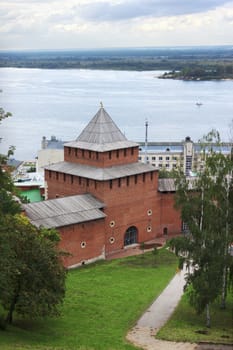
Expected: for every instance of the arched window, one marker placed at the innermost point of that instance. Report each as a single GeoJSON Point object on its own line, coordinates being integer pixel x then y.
{"type": "Point", "coordinates": [131, 236]}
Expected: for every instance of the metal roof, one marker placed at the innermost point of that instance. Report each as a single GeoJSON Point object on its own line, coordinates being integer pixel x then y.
{"type": "Point", "coordinates": [101, 134]}
{"type": "Point", "coordinates": [101, 174]}
{"type": "Point", "coordinates": [64, 211]}
{"type": "Point", "coordinates": [168, 184]}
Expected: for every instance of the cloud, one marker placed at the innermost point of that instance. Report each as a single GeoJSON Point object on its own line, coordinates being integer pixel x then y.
{"type": "Point", "coordinates": [114, 23]}
{"type": "Point", "coordinates": [130, 9]}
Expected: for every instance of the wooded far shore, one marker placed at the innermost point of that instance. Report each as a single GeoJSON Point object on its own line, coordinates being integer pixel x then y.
{"type": "Point", "coordinates": [187, 63]}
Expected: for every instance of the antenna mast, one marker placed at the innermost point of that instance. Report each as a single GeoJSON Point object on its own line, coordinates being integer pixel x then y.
{"type": "Point", "coordinates": [146, 140]}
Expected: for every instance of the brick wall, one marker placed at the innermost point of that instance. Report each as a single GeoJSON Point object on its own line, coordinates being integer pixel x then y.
{"type": "Point", "coordinates": [170, 217]}
{"type": "Point", "coordinates": [101, 159]}
{"type": "Point", "coordinates": [83, 241]}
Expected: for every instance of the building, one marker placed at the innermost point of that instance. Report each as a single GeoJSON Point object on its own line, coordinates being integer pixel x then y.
{"type": "Point", "coordinates": [186, 155]}
{"type": "Point", "coordinates": [101, 198]}
{"type": "Point", "coordinates": [52, 151]}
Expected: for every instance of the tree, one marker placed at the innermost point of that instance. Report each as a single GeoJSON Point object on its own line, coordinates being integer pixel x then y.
{"type": "Point", "coordinates": [32, 273]}
{"type": "Point", "coordinates": [207, 208]}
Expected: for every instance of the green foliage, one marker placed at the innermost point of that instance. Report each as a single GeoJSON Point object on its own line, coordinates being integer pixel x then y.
{"type": "Point", "coordinates": [207, 209]}
{"type": "Point", "coordinates": [31, 271]}
{"type": "Point", "coordinates": [32, 274]}
{"type": "Point", "coordinates": [4, 115]}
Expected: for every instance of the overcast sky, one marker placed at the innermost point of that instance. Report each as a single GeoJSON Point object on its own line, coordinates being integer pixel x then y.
{"type": "Point", "coordinates": [60, 24]}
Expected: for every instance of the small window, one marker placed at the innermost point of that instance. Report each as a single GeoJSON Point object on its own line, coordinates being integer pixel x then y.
{"type": "Point", "coordinates": [111, 240]}
{"type": "Point", "coordinates": [135, 179]}
{"type": "Point", "coordinates": [110, 184]}
{"type": "Point", "coordinates": [110, 155]}
{"type": "Point", "coordinates": [117, 153]}
{"type": "Point", "coordinates": [127, 181]}
{"type": "Point", "coordinates": [64, 177]}
{"type": "Point", "coordinates": [83, 244]}
{"type": "Point", "coordinates": [88, 182]}
{"type": "Point", "coordinates": [96, 155]}
{"type": "Point", "coordinates": [80, 180]}
{"type": "Point", "coordinates": [149, 212]}
{"type": "Point", "coordinates": [125, 152]}
{"type": "Point", "coordinates": [119, 182]}
{"type": "Point", "coordinates": [112, 223]}
{"type": "Point", "coordinates": [167, 165]}
{"type": "Point", "coordinates": [160, 158]}
{"type": "Point", "coordinates": [89, 154]}
{"type": "Point", "coordinates": [72, 179]}
{"type": "Point", "coordinates": [153, 158]}
{"type": "Point", "coordinates": [167, 158]}
{"type": "Point", "coordinates": [57, 175]}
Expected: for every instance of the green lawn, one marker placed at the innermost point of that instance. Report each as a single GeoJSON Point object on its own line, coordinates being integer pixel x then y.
{"type": "Point", "coordinates": [186, 325]}
{"type": "Point", "coordinates": [102, 302]}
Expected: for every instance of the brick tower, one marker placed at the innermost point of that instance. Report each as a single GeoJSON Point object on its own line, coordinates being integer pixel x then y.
{"type": "Point", "coordinates": [101, 165]}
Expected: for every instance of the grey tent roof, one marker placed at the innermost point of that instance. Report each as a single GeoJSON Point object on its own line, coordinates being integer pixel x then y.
{"type": "Point", "coordinates": [101, 134]}
{"type": "Point", "coordinates": [64, 211]}
{"type": "Point", "coordinates": [101, 174]}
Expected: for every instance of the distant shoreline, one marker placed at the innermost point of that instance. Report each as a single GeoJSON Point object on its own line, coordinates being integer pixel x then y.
{"type": "Point", "coordinates": [131, 59]}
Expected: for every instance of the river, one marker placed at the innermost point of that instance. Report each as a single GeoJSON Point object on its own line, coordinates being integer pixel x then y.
{"type": "Point", "coordinates": [61, 102]}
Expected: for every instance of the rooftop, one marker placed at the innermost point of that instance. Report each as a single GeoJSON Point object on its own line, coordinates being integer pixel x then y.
{"type": "Point", "coordinates": [64, 211]}
{"type": "Point", "coordinates": [101, 134]}
{"type": "Point", "coordinates": [101, 174]}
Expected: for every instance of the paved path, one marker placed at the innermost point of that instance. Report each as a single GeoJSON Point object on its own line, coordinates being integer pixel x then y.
{"type": "Point", "coordinates": [142, 335]}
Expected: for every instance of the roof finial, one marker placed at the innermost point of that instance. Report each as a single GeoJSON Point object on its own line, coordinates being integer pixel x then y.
{"type": "Point", "coordinates": [101, 104]}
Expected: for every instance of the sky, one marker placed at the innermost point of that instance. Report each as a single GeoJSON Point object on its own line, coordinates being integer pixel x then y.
{"type": "Point", "coordinates": [77, 24]}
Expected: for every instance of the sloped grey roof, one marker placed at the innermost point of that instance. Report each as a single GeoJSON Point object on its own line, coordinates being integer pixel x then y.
{"type": "Point", "coordinates": [101, 134]}
{"type": "Point", "coordinates": [168, 185]}
{"type": "Point", "coordinates": [101, 174]}
{"type": "Point", "coordinates": [64, 211]}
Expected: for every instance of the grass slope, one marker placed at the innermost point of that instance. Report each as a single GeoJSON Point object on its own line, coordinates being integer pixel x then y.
{"type": "Point", "coordinates": [102, 302]}
{"type": "Point", "coordinates": [186, 325]}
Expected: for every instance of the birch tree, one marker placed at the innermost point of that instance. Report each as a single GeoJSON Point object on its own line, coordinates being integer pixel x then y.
{"type": "Point", "coordinates": [206, 207]}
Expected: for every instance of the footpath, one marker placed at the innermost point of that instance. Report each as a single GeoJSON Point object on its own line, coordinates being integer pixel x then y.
{"type": "Point", "coordinates": [143, 334]}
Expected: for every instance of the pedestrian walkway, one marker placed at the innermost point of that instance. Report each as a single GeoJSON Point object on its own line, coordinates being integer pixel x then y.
{"type": "Point", "coordinates": [143, 334]}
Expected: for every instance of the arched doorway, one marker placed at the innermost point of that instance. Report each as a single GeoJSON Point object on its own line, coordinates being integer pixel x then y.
{"type": "Point", "coordinates": [131, 236]}
{"type": "Point", "coordinates": [165, 231]}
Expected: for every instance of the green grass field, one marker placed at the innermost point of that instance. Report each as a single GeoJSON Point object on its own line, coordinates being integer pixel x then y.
{"type": "Point", "coordinates": [186, 325]}
{"type": "Point", "coordinates": [102, 302]}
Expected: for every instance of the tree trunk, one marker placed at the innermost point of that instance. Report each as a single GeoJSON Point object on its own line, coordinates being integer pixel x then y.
{"type": "Point", "coordinates": [224, 288]}
{"type": "Point", "coordinates": [224, 278]}
{"type": "Point", "coordinates": [9, 317]}
{"type": "Point", "coordinates": [207, 315]}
